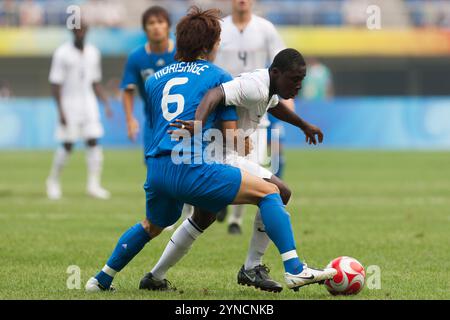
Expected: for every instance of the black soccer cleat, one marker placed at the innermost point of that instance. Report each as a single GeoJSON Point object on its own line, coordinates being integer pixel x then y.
{"type": "Point", "coordinates": [258, 277]}
{"type": "Point", "coordinates": [234, 228]}
{"type": "Point", "coordinates": [148, 282]}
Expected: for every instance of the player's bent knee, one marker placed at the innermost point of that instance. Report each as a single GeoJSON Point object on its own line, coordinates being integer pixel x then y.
{"type": "Point", "coordinates": [285, 194]}
{"type": "Point", "coordinates": [270, 188]}
{"type": "Point", "coordinates": [152, 229]}
{"type": "Point", "coordinates": [68, 147]}
{"type": "Point", "coordinates": [91, 142]}
{"type": "Point", "coordinates": [203, 219]}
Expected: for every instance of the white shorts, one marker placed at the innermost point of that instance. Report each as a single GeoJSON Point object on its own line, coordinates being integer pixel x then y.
{"type": "Point", "coordinates": [79, 130]}
{"type": "Point", "coordinates": [259, 142]}
{"type": "Point", "coordinates": [246, 164]}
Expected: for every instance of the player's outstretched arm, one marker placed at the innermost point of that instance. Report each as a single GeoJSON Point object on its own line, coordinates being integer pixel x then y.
{"type": "Point", "coordinates": [284, 113]}
{"type": "Point", "coordinates": [128, 107]}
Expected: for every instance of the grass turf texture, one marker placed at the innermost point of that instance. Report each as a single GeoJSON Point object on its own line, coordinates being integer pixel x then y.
{"type": "Point", "coordinates": [390, 209]}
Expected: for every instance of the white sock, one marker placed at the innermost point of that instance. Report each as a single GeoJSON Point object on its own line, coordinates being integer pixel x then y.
{"type": "Point", "coordinates": [236, 214]}
{"type": "Point", "coordinates": [188, 210]}
{"type": "Point", "coordinates": [94, 160]}
{"type": "Point", "coordinates": [258, 244]}
{"type": "Point", "coordinates": [59, 161]}
{"type": "Point", "coordinates": [178, 246]}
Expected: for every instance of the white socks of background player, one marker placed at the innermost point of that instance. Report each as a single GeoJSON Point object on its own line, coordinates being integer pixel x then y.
{"type": "Point", "coordinates": [94, 160]}
{"type": "Point", "coordinates": [258, 244]}
{"type": "Point", "coordinates": [59, 161]}
{"type": "Point", "coordinates": [179, 244]}
{"type": "Point", "coordinates": [236, 214]}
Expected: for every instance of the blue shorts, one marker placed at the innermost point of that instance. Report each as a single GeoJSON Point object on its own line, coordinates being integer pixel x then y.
{"type": "Point", "coordinates": [210, 187]}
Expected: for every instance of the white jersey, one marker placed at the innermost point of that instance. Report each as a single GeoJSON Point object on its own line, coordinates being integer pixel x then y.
{"type": "Point", "coordinates": [76, 71]}
{"type": "Point", "coordinates": [250, 94]}
{"type": "Point", "coordinates": [253, 48]}
{"type": "Point", "coordinates": [239, 52]}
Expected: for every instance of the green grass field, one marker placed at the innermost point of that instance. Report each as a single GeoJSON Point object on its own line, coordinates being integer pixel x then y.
{"type": "Point", "coordinates": [390, 209]}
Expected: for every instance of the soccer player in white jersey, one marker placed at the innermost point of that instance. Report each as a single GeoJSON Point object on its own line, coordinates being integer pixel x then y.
{"type": "Point", "coordinates": [248, 42]}
{"type": "Point", "coordinates": [75, 77]}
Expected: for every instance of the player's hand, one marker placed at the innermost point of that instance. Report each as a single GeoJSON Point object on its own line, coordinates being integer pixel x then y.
{"type": "Point", "coordinates": [181, 126]}
{"type": "Point", "coordinates": [311, 131]}
{"type": "Point", "coordinates": [248, 145]}
{"type": "Point", "coordinates": [132, 128]}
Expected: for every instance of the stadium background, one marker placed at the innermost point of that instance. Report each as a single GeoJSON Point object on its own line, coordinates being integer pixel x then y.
{"type": "Point", "coordinates": [395, 78]}
{"type": "Point", "coordinates": [383, 207]}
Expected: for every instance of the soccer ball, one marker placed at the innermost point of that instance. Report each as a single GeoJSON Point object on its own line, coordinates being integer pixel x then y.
{"type": "Point", "coordinates": [349, 278]}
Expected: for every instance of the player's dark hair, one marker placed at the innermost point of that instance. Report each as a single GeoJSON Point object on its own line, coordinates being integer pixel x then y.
{"type": "Point", "coordinates": [155, 11]}
{"type": "Point", "coordinates": [197, 33]}
{"type": "Point", "coordinates": [287, 59]}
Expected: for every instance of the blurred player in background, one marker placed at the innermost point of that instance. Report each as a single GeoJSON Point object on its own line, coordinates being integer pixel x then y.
{"type": "Point", "coordinates": [143, 62]}
{"type": "Point", "coordinates": [75, 77]}
{"type": "Point", "coordinates": [318, 84]}
{"type": "Point", "coordinates": [248, 42]}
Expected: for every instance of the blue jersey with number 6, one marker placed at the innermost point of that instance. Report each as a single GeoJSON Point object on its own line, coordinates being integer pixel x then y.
{"type": "Point", "coordinates": [175, 92]}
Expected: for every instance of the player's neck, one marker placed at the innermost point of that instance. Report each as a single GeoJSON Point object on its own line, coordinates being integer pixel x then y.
{"type": "Point", "coordinates": [157, 47]}
{"type": "Point", "coordinates": [242, 19]}
{"type": "Point", "coordinates": [271, 86]}
{"type": "Point", "coordinates": [78, 45]}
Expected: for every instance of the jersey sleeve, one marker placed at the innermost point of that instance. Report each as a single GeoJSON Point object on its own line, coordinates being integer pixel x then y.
{"type": "Point", "coordinates": [227, 112]}
{"type": "Point", "coordinates": [241, 92]}
{"type": "Point", "coordinates": [130, 74]}
{"type": "Point", "coordinates": [57, 69]}
{"type": "Point", "coordinates": [97, 72]}
{"type": "Point", "coordinates": [276, 101]}
{"type": "Point", "coordinates": [274, 42]}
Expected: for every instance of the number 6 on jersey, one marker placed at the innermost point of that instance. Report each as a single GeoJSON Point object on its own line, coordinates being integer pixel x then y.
{"type": "Point", "coordinates": [172, 98]}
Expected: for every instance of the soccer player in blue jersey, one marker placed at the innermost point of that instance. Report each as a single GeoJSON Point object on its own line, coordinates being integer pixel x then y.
{"type": "Point", "coordinates": [173, 94]}
{"type": "Point", "coordinates": [144, 61]}
{"type": "Point", "coordinates": [167, 211]}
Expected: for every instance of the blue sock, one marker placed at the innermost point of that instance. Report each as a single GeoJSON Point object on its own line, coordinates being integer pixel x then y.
{"type": "Point", "coordinates": [278, 228]}
{"type": "Point", "coordinates": [129, 244]}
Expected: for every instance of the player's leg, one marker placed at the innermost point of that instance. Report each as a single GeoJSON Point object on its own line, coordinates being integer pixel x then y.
{"type": "Point", "coordinates": [257, 156]}
{"type": "Point", "coordinates": [188, 210]}
{"type": "Point", "coordinates": [222, 214]}
{"type": "Point", "coordinates": [278, 227]}
{"type": "Point", "coordinates": [178, 246]}
{"type": "Point", "coordinates": [253, 272]}
{"type": "Point", "coordinates": [59, 161]}
{"type": "Point", "coordinates": [91, 131]}
{"type": "Point", "coordinates": [66, 134]}
{"type": "Point", "coordinates": [128, 246]}
{"type": "Point", "coordinates": [274, 217]}
{"type": "Point", "coordinates": [94, 161]}
{"type": "Point", "coordinates": [235, 219]}
{"type": "Point", "coordinates": [162, 211]}
{"type": "Point", "coordinates": [260, 239]}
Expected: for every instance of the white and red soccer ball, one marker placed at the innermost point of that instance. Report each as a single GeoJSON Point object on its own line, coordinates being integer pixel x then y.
{"type": "Point", "coordinates": [349, 279]}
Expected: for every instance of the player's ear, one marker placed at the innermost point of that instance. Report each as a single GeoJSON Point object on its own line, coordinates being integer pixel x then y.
{"type": "Point", "coordinates": [275, 71]}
